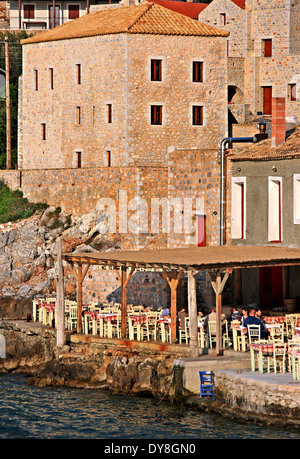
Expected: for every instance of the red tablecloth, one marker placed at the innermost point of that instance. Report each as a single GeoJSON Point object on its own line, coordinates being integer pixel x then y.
{"type": "Point", "coordinates": [274, 319]}
{"type": "Point", "coordinates": [141, 319]}
{"type": "Point", "coordinates": [49, 306]}
{"type": "Point", "coordinates": [265, 348]}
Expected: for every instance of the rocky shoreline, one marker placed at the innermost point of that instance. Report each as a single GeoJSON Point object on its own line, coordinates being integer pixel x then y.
{"type": "Point", "coordinates": [31, 349]}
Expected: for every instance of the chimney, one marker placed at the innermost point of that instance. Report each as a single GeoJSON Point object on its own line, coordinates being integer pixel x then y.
{"type": "Point", "coordinates": [278, 120]}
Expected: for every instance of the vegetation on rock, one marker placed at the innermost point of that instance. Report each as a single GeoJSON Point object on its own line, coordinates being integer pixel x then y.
{"type": "Point", "coordinates": [13, 206]}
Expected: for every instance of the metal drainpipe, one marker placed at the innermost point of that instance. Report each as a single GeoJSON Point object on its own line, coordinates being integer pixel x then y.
{"type": "Point", "coordinates": [222, 202]}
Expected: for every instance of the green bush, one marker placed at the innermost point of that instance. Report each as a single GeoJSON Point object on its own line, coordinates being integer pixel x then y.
{"type": "Point", "coordinates": [13, 206]}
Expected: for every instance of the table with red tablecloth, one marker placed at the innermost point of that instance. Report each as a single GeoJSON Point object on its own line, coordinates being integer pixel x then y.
{"type": "Point", "coordinates": [273, 319]}
{"type": "Point", "coordinates": [262, 349]}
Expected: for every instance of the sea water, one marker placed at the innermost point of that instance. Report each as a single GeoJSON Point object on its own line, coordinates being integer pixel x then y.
{"type": "Point", "coordinates": [28, 412]}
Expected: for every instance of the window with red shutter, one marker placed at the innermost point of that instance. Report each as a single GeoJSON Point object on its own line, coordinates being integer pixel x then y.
{"type": "Point", "coordinates": [28, 11]}
{"type": "Point", "coordinates": [268, 47]}
{"type": "Point", "coordinates": [73, 11]}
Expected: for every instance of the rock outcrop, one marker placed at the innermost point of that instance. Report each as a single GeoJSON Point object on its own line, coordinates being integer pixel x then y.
{"type": "Point", "coordinates": [28, 251]}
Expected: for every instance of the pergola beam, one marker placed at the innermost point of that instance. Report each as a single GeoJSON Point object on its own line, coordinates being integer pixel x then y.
{"type": "Point", "coordinates": [173, 279]}
{"type": "Point", "coordinates": [218, 285]}
{"type": "Point", "coordinates": [124, 278]}
{"type": "Point", "coordinates": [79, 275]}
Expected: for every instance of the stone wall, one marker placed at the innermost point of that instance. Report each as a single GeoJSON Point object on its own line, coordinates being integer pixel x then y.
{"type": "Point", "coordinates": [119, 76]}
{"type": "Point", "coordinates": [261, 399]}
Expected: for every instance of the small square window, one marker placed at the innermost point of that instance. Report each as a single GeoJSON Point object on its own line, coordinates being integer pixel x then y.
{"type": "Point", "coordinates": [198, 72]}
{"type": "Point", "coordinates": [197, 115]}
{"type": "Point", "coordinates": [156, 70]}
{"type": "Point", "coordinates": [156, 114]}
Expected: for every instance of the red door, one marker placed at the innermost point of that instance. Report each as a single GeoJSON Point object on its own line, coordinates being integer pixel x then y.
{"type": "Point", "coordinates": [267, 100]}
{"type": "Point", "coordinates": [270, 287]}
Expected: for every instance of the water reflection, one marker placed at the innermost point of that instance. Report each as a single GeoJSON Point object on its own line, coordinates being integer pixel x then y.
{"type": "Point", "coordinates": [56, 413]}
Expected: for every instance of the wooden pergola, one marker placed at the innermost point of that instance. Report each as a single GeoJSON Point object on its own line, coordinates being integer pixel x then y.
{"type": "Point", "coordinates": [218, 261]}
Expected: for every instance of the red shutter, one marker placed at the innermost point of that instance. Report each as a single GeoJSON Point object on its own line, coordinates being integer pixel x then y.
{"type": "Point", "coordinates": [28, 11]}
{"type": "Point", "coordinates": [73, 11]}
{"type": "Point", "coordinates": [268, 48]}
{"type": "Point", "coordinates": [201, 230]}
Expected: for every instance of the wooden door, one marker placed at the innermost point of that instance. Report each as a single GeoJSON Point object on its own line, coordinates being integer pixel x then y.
{"type": "Point", "coordinates": [270, 287]}
{"type": "Point", "coordinates": [267, 100]}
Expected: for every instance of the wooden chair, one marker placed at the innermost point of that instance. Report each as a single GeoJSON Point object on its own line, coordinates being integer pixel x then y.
{"type": "Point", "coordinates": [276, 332]}
{"type": "Point", "coordinates": [116, 327]}
{"type": "Point", "coordinates": [133, 330]}
{"type": "Point", "coordinates": [151, 327]}
{"type": "Point", "coordinates": [290, 345]}
{"type": "Point", "coordinates": [72, 318]}
{"type": "Point", "coordinates": [277, 360]}
{"type": "Point", "coordinates": [225, 336]}
{"type": "Point", "coordinates": [202, 338]}
{"type": "Point", "coordinates": [291, 322]}
{"type": "Point", "coordinates": [184, 331]}
{"type": "Point", "coordinates": [206, 384]}
{"type": "Point", "coordinates": [253, 333]}
{"type": "Point", "coordinates": [212, 332]}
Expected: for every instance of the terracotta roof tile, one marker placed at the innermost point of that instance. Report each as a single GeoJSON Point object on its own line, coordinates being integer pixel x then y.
{"type": "Point", "coordinates": [189, 9]}
{"type": "Point", "coordinates": [263, 151]}
{"type": "Point", "coordinates": [145, 18]}
{"type": "Point", "coordinates": [240, 3]}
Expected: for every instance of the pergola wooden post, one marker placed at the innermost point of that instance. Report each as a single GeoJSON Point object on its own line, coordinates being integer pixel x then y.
{"type": "Point", "coordinates": [218, 285]}
{"type": "Point", "coordinates": [192, 307]}
{"type": "Point", "coordinates": [124, 278]}
{"type": "Point", "coordinates": [79, 275]}
{"type": "Point", "coordinates": [60, 311]}
{"type": "Point", "coordinates": [173, 281]}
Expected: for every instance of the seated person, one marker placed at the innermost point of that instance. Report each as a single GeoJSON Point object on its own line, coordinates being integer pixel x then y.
{"type": "Point", "coordinates": [253, 320]}
{"type": "Point", "coordinates": [165, 312]}
{"type": "Point", "coordinates": [244, 315]}
{"type": "Point", "coordinates": [235, 315]}
{"type": "Point", "coordinates": [182, 315]}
